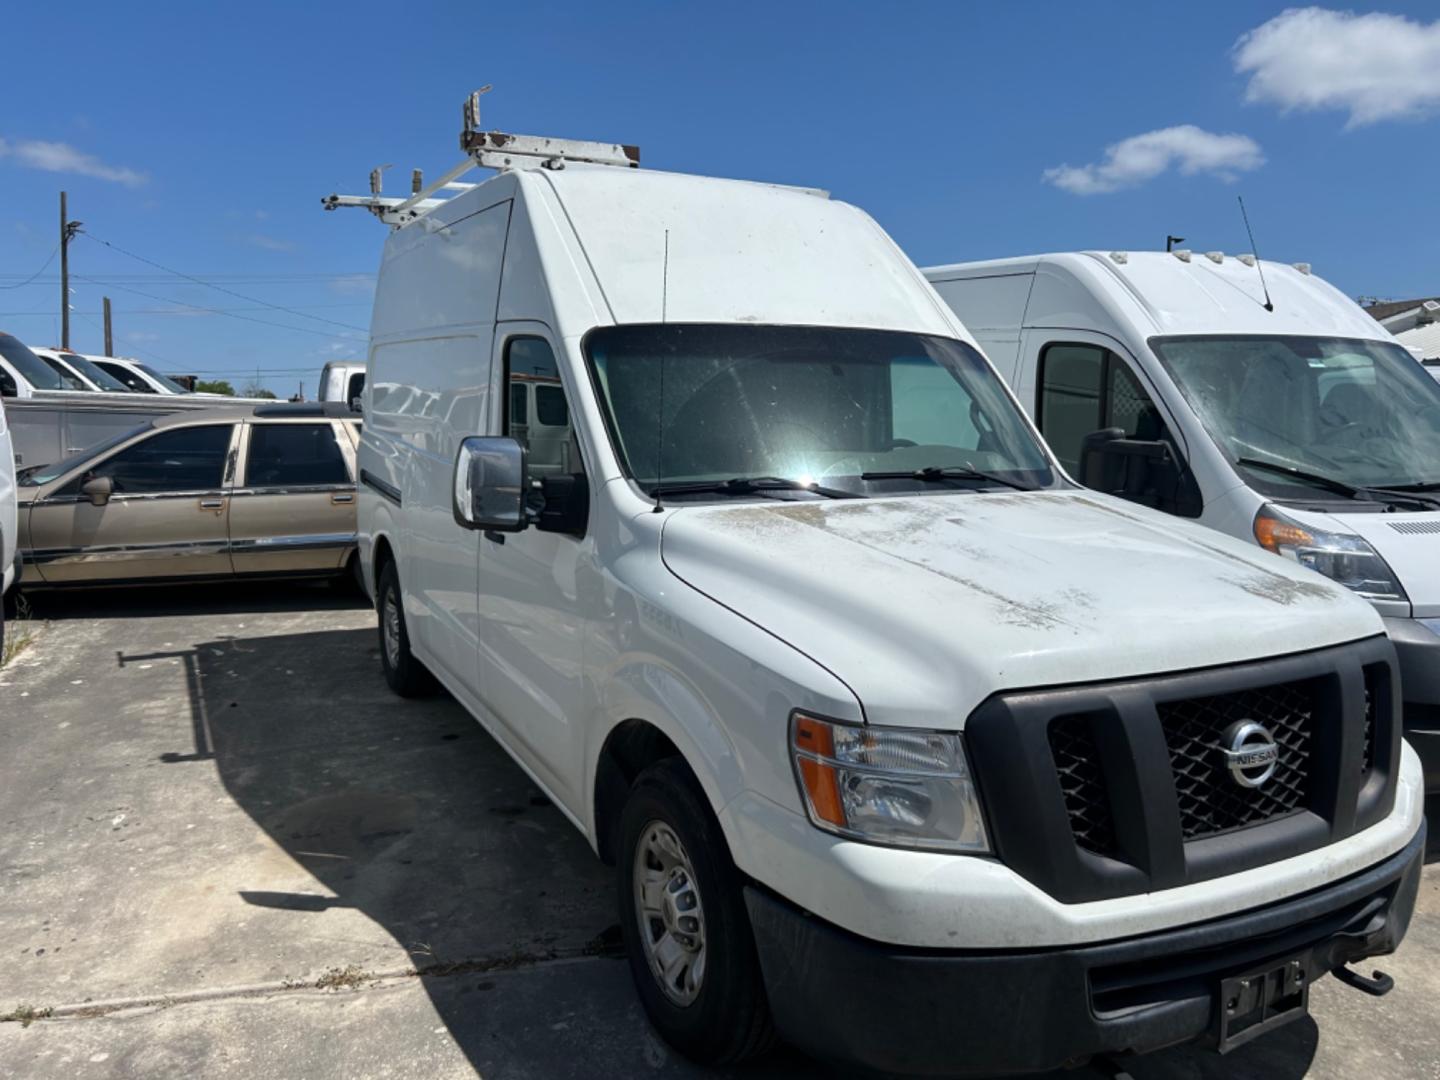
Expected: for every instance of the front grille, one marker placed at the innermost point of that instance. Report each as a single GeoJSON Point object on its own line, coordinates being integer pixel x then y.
{"type": "Point", "coordinates": [1374, 673]}
{"type": "Point", "coordinates": [1210, 801]}
{"type": "Point", "coordinates": [1077, 763]}
{"type": "Point", "coordinates": [1120, 787]}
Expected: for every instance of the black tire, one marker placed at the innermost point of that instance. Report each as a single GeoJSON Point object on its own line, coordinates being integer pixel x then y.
{"type": "Point", "coordinates": [405, 675]}
{"type": "Point", "coordinates": [729, 1018]}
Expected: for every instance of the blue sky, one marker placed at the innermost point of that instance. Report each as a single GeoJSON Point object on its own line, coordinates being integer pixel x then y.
{"type": "Point", "coordinates": [202, 137]}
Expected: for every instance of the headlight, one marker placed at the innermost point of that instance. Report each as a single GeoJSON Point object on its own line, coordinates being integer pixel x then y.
{"type": "Point", "coordinates": [1343, 558]}
{"type": "Point", "coordinates": [893, 786]}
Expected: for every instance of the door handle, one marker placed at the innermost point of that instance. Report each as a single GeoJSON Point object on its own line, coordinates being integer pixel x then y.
{"type": "Point", "coordinates": [342, 498]}
{"type": "Point", "coordinates": [212, 504]}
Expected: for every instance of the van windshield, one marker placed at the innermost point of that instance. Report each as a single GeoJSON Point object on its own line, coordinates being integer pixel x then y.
{"type": "Point", "coordinates": [843, 408]}
{"type": "Point", "coordinates": [36, 372]}
{"type": "Point", "coordinates": [1353, 412]}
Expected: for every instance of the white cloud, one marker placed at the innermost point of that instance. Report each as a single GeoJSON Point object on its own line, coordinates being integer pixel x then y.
{"type": "Point", "coordinates": [268, 243]}
{"type": "Point", "coordinates": [1135, 160]}
{"type": "Point", "coordinates": [64, 158]}
{"type": "Point", "coordinates": [1375, 66]}
{"type": "Point", "coordinates": [353, 284]}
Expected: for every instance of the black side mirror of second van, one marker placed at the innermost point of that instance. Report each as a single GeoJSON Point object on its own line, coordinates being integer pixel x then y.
{"type": "Point", "coordinates": [566, 506]}
{"type": "Point", "coordinates": [1143, 471]}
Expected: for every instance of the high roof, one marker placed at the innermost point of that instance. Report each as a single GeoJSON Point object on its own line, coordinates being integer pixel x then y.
{"type": "Point", "coordinates": [669, 246]}
{"type": "Point", "coordinates": [1193, 295]}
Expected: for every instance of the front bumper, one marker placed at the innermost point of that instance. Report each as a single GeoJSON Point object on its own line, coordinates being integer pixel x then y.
{"type": "Point", "coordinates": [1417, 644]}
{"type": "Point", "coordinates": [939, 1012]}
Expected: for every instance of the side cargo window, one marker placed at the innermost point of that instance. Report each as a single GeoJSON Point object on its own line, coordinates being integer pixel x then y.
{"type": "Point", "coordinates": [1086, 390]}
{"type": "Point", "coordinates": [537, 415]}
{"type": "Point", "coordinates": [294, 455]}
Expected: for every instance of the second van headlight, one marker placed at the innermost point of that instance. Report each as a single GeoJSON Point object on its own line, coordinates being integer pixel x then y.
{"type": "Point", "coordinates": [895, 786]}
{"type": "Point", "coordinates": [1342, 557]}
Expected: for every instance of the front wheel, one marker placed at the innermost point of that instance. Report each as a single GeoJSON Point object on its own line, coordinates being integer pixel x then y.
{"type": "Point", "coordinates": [403, 672]}
{"type": "Point", "coordinates": [687, 933]}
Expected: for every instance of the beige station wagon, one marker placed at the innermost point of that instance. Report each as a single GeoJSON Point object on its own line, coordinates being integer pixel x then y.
{"type": "Point", "coordinates": [267, 490]}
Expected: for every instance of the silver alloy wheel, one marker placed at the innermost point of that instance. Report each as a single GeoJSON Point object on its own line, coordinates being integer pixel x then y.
{"type": "Point", "coordinates": [667, 906]}
{"type": "Point", "coordinates": [390, 623]}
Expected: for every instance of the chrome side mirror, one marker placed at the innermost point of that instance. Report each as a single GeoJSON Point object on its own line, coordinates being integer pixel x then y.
{"type": "Point", "coordinates": [98, 490]}
{"type": "Point", "coordinates": [490, 484]}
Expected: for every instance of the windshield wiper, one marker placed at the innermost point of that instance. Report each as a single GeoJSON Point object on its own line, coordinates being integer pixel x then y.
{"type": "Point", "coordinates": [751, 485]}
{"type": "Point", "coordinates": [937, 474]}
{"type": "Point", "coordinates": [1370, 494]}
{"type": "Point", "coordinates": [1429, 485]}
{"type": "Point", "coordinates": [1339, 487]}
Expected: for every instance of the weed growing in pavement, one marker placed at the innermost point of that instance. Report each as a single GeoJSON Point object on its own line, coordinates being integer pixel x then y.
{"type": "Point", "coordinates": [16, 636]}
{"type": "Point", "coordinates": [348, 977]}
{"type": "Point", "coordinates": [25, 1015]}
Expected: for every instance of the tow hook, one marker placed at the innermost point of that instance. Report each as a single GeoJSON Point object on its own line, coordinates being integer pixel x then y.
{"type": "Point", "coordinates": [1378, 984]}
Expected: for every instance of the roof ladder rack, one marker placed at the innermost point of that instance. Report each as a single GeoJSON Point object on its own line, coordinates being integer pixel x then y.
{"type": "Point", "coordinates": [483, 149]}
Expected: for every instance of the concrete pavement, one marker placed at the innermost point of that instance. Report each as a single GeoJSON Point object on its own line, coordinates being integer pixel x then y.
{"type": "Point", "coordinates": [226, 849]}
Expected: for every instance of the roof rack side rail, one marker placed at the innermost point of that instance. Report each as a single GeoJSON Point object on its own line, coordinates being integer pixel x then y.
{"type": "Point", "coordinates": [496, 150]}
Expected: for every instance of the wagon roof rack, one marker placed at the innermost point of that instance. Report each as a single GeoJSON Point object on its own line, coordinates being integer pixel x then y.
{"type": "Point", "coordinates": [483, 149]}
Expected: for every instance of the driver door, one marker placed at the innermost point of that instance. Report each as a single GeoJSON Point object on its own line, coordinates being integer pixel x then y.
{"type": "Point", "coordinates": [167, 515]}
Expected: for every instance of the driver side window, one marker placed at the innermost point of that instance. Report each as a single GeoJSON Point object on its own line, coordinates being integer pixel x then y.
{"type": "Point", "coordinates": [189, 459]}
{"type": "Point", "coordinates": [1085, 388]}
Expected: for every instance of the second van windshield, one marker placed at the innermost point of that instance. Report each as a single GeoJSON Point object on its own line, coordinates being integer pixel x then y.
{"type": "Point", "coordinates": [837, 407]}
{"type": "Point", "coordinates": [1358, 413]}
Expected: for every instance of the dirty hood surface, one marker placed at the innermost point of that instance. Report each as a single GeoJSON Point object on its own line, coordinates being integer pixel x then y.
{"type": "Point", "coordinates": [926, 606]}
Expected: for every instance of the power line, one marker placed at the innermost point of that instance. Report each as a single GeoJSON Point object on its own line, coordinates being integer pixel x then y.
{"type": "Point", "coordinates": [220, 288]}
{"type": "Point", "coordinates": [37, 273]}
{"type": "Point", "coordinates": [123, 340]}
{"type": "Point", "coordinates": [213, 311]}
{"type": "Point", "coordinates": [176, 311]}
{"type": "Point", "coordinates": [229, 278]}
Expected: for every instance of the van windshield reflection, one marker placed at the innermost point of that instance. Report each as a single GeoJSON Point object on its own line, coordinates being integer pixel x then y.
{"type": "Point", "coordinates": [711, 410]}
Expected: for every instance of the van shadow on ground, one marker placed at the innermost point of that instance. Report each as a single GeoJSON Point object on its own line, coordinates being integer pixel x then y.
{"type": "Point", "coordinates": [410, 813]}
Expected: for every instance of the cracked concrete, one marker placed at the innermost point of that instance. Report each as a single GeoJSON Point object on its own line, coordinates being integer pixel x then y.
{"type": "Point", "coordinates": [225, 849]}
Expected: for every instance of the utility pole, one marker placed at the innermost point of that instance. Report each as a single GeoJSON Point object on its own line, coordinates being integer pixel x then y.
{"type": "Point", "coordinates": [64, 275]}
{"type": "Point", "coordinates": [109, 341]}
{"type": "Point", "coordinates": [68, 229]}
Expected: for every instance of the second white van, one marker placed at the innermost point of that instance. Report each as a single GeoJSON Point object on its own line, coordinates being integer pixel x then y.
{"type": "Point", "coordinates": [1254, 398]}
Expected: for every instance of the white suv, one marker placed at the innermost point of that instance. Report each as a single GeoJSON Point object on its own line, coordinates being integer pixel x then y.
{"type": "Point", "coordinates": [903, 745]}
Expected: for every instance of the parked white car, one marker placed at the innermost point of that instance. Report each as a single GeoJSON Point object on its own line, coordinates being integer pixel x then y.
{"type": "Point", "coordinates": [78, 372]}
{"type": "Point", "coordinates": [883, 722]}
{"type": "Point", "coordinates": [140, 378]}
{"type": "Point", "coordinates": [1306, 429]}
{"type": "Point", "coordinates": [23, 374]}
{"type": "Point", "coordinates": [9, 523]}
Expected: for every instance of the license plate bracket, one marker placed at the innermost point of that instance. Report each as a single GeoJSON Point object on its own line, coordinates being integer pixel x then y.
{"type": "Point", "coordinates": [1261, 1001]}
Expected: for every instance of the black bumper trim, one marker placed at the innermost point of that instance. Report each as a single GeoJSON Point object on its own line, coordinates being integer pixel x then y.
{"type": "Point", "coordinates": [842, 997]}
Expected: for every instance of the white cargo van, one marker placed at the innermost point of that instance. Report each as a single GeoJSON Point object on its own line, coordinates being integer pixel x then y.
{"type": "Point", "coordinates": [1303, 426]}
{"type": "Point", "coordinates": [901, 743]}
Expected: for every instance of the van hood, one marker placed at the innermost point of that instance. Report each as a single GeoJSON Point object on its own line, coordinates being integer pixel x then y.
{"type": "Point", "coordinates": [927, 605]}
{"type": "Point", "coordinates": [1408, 542]}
